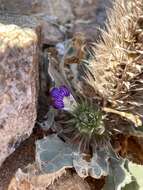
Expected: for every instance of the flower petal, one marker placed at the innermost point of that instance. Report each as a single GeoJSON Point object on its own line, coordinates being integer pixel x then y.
{"type": "Point", "coordinates": [55, 92]}
{"type": "Point", "coordinates": [58, 104]}
{"type": "Point", "coordinates": [64, 91]}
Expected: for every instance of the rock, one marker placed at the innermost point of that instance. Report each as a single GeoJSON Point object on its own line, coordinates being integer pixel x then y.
{"type": "Point", "coordinates": [70, 182]}
{"type": "Point", "coordinates": [16, 6]}
{"type": "Point", "coordinates": [49, 13]}
{"type": "Point", "coordinates": [53, 8]}
{"type": "Point", "coordinates": [50, 33]}
{"type": "Point", "coordinates": [86, 29]}
{"type": "Point", "coordinates": [66, 182]}
{"type": "Point", "coordinates": [90, 15]}
{"type": "Point", "coordinates": [84, 9]}
{"type": "Point", "coordinates": [18, 80]}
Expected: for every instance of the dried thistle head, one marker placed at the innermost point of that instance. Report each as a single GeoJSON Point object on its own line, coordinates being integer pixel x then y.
{"type": "Point", "coordinates": [115, 72]}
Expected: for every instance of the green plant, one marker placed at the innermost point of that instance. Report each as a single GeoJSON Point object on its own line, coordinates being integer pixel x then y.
{"type": "Point", "coordinates": [85, 125]}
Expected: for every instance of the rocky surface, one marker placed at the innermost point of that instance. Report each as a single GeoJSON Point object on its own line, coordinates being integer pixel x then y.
{"type": "Point", "coordinates": [49, 13]}
{"type": "Point", "coordinates": [50, 33]}
{"type": "Point", "coordinates": [18, 81]}
{"type": "Point", "coordinates": [60, 9]}
{"type": "Point", "coordinates": [68, 181]}
{"type": "Point", "coordinates": [61, 19]}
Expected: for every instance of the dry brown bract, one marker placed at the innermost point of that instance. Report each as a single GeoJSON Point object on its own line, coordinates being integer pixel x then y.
{"type": "Point", "coordinates": [116, 71]}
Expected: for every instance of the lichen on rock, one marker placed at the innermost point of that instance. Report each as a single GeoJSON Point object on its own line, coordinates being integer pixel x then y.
{"type": "Point", "coordinates": [18, 82]}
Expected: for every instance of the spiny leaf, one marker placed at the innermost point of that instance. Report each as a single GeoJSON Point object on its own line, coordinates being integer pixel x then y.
{"type": "Point", "coordinates": [81, 166]}
{"type": "Point", "coordinates": [52, 154]}
{"type": "Point", "coordinates": [118, 176]}
{"type": "Point", "coordinates": [96, 167]}
{"type": "Point", "coordinates": [101, 158]}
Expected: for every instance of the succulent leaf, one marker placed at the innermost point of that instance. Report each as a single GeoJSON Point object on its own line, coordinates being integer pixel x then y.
{"type": "Point", "coordinates": [52, 154]}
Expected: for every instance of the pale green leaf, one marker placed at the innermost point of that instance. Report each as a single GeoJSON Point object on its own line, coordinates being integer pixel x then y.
{"type": "Point", "coordinates": [96, 167]}
{"type": "Point", "coordinates": [52, 154]}
{"type": "Point", "coordinates": [118, 176]}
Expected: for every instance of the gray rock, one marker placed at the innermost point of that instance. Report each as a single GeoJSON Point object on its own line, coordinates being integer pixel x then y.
{"type": "Point", "coordinates": [18, 80]}
{"type": "Point", "coordinates": [50, 33]}
{"type": "Point", "coordinates": [53, 8]}
{"type": "Point", "coordinates": [50, 14]}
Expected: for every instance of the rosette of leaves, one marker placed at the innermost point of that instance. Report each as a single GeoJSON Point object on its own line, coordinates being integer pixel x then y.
{"type": "Point", "coordinates": [82, 140]}
{"type": "Point", "coordinates": [84, 127]}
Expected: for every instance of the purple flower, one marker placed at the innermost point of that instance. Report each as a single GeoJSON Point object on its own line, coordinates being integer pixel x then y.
{"type": "Point", "coordinates": [55, 92]}
{"type": "Point", "coordinates": [58, 104]}
{"type": "Point", "coordinates": [58, 95]}
{"type": "Point", "coordinates": [64, 91]}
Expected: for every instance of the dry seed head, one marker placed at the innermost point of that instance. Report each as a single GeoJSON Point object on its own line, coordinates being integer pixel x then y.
{"type": "Point", "coordinates": [116, 69]}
